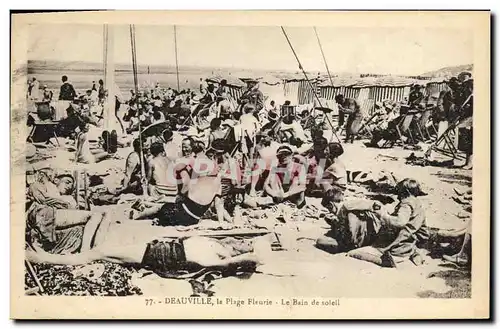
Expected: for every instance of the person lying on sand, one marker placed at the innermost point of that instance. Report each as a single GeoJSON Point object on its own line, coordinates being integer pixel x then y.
{"type": "Point", "coordinates": [402, 229]}
{"type": "Point", "coordinates": [53, 220]}
{"type": "Point", "coordinates": [168, 256]}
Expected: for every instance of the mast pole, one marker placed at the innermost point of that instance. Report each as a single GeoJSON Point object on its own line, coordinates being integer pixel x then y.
{"type": "Point", "coordinates": [136, 87]}
{"type": "Point", "coordinates": [176, 59]}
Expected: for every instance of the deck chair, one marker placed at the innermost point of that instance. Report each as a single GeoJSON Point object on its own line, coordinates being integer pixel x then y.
{"type": "Point", "coordinates": [445, 138]}
{"type": "Point", "coordinates": [422, 125]}
{"type": "Point", "coordinates": [44, 127]}
{"type": "Point", "coordinates": [402, 129]}
{"type": "Point", "coordinates": [365, 125]}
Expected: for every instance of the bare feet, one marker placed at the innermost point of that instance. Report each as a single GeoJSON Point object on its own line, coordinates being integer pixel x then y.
{"type": "Point", "coordinates": [458, 259]}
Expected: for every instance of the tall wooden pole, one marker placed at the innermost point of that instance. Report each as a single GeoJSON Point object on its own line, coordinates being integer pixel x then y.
{"type": "Point", "coordinates": [176, 59]}
{"type": "Point", "coordinates": [109, 78]}
{"type": "Point", "coordinates": [136, 87]}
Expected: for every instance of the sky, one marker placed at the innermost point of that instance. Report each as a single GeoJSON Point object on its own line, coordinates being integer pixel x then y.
{"type": "Point", "coordinates": [404, 51]}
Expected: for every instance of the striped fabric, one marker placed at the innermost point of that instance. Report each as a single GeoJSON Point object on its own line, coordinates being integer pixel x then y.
{"type": "Point", "coordinates": [331, 92]}
{"type": "Point", "coordinates": [435, 87]}
{"type": "Point", "coordinates": [235, 92]}
{"type": "Point", "coordinates": [396, 94]}
{"type": "Point", "coordinates": [367, 107]}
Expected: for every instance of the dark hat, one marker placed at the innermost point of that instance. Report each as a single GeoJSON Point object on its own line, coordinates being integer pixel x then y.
{"type": "Point", "coordinates": [272, 116]}
{"type": "Point", "coordinates": [463, 76]}
{"type": "Point", "coordinates": [284, 150]}
{"type": "Point", "coordinates": [251, 80]}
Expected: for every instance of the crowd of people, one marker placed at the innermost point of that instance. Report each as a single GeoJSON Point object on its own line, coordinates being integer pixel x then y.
{"type": "Point", "coordinates": [200, 154]}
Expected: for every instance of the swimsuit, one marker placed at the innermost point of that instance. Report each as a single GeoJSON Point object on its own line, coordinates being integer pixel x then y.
{"type": "Point", "coordinates": [165, 257]}
{"type": "Point", "coordinates": [185, 212]}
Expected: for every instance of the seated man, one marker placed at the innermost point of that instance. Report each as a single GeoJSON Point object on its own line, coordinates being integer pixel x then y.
{"type": "Point", "coordinates": [384, 126]}
{"type": "Point", "coordinates": [132, 181]}
{"type": "Point", "coordinates": [293, 131]}
{"type": "Point", "coordinates": [160, 184]}
{"type": "Point", "coordinates": [287, 181]}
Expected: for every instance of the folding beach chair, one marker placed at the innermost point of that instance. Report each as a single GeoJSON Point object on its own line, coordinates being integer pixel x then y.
{"type": "Point", "coordinates": [423, 124]}
{"type": "Point", "coordinates": [402, 129]}
{"type": "Point", "coordinates": [44, 128]}
{"type": "Point", "coordinates": [365, 125]}
{"type": "Point", "coordinates": [446, 138]}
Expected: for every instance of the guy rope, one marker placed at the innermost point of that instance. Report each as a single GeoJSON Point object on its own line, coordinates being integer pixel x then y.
{"type": "Point", "coordinates": [308, 81]}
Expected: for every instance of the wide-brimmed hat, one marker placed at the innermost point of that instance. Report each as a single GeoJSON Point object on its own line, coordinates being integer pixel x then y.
{"type": "Point", "coordinates": [251, 80]}
{"type": "Point", "coordinates": [463, 76]}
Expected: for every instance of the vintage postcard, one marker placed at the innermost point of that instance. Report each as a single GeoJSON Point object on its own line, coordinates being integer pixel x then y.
{"type": "Point", "coordinates": [250, 165]}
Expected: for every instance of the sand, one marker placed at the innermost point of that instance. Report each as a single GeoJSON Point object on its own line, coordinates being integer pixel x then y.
{"type": "Point", "coordinates": [306, 271]}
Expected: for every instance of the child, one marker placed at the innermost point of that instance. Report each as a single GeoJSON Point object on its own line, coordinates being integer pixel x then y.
{"type": "Point", "coordinates": [405, 227]}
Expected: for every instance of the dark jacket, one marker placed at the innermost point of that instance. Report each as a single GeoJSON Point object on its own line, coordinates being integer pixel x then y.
{"type": "Point", "coordinates": [253, 96]}
{"type": "Point", "coordinates": [67, 92]}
